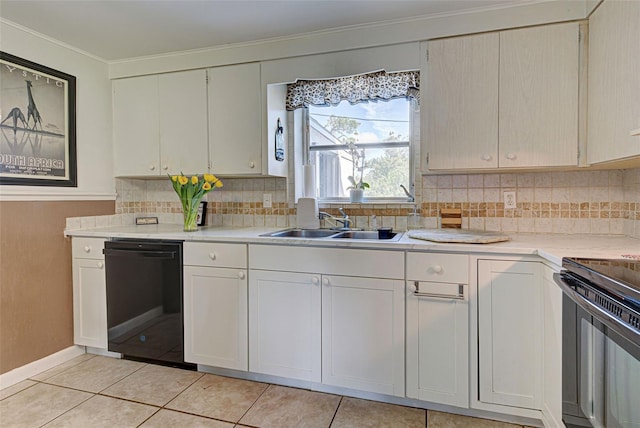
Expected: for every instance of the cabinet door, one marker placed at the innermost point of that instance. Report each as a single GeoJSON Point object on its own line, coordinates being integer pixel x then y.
{"type": "Point", "coordinates": [215, 317]}
{"type": "Point", "coordinates": [614, 87]}
{"type": "Point", "coordinates": [363, 334]}
{"type": "Point", "coordinates": [462, 103]}
{"type": "Point", "coordinates": [284, 324]}
{"type": "Point", "coordinates": [182, 106]}
{"type": "Point", "coordinates": [89, 303]}
{"type": "Point", "coordinates": [135, 126]}
{"type": "Point", "coordinates": [235, 119]}
{"type": "Point", "coordinates": [510, 332]}
{"type": "Point", "coordinates": [438, 344]}
{"type": "Point", "coordinates": [538, 106]}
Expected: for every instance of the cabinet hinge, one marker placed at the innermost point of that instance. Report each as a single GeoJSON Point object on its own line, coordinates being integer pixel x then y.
{"type": "Point", "coordinates": [427, 55]}
{"type": "Point", "coordinates": [427, 159]}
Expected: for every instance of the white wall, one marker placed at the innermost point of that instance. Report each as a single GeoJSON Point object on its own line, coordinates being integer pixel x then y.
{"type": "Point", "coordinates": [93, 115]}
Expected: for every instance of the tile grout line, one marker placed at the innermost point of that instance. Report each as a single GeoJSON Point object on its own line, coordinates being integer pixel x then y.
{"type": "Point", "coordinates": [335, 413]}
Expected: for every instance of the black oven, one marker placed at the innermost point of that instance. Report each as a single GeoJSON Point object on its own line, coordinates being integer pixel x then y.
{"type": "Point", "coordinates": [600, 342]}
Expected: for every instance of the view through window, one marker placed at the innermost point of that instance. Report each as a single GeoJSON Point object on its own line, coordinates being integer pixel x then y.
{"type": "Point", "coordinates": [366, 142]}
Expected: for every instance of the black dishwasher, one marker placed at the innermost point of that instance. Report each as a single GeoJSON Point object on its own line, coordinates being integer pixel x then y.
{"type": "Point", "coordinates": [144, 300]}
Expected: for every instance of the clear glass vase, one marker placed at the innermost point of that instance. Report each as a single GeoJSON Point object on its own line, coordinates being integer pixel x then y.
{"type": "Point", "coordinates": [190, 214]}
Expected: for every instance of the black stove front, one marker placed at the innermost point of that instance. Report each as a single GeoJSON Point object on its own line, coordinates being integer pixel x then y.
{"type": "Point", "coordinates": [601, 342]}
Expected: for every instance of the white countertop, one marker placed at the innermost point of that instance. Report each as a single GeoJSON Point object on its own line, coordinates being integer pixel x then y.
{"type": "Point", "coordinates": [551, 247]}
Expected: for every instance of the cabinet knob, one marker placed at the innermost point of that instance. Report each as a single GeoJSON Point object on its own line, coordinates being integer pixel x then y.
{"type": "Point", "coordinates": [315, 280]}
{"type": "Point", "coordinates": [436, 269]}
{"type": "Point", "coordinates": [152, 167]}
{"type": "Point", "coordinates": [87, 249]}
{"type": "Point", "coordinates": [100, 265]}
{"type": "Point", "coordinates": [241, 275]}
{"type": "Point", "coordinates": [486, 157]}
{"type": "Point", "coordinates": [252, 164]}
{"type": "Point", "coordinates": [511, 156]}
{"type": "Point", "coordinates": [325, 281]}
{"type": "Point", "coordinates": [212, 256]}
{"type": "Point", "coordinates": [165, 167]}
{"type": "Point", "coordinates": [412, 287]}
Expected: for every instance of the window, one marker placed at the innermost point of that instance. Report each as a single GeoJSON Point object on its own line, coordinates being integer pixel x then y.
{"type": "Point", "coordinates": [367, 141]}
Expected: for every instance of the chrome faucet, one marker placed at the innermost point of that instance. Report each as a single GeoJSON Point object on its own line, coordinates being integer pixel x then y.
{"type": "Point", "coordinates": [344, 220]}
{"type": "Point", "coordinates": [409, 195]}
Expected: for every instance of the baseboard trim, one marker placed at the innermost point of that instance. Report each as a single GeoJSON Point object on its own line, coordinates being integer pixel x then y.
{"type": "Point", "coordinates": [25, 372]}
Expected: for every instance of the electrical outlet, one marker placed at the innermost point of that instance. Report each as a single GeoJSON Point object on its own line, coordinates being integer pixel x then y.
{"type": "Point", "coordinates": [509, 200]}
{"type": "Point", "coordinates": [266, 200]}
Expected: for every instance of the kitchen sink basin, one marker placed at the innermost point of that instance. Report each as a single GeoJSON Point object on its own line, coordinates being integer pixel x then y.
{"type": "Point", "coordinates": [368, 234]}
{"type": "Point", "coordinates": [303, 233]}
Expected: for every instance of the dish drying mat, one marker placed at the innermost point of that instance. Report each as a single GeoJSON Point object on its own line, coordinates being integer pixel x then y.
{"type": "Point", "coordinates": [466, 236]}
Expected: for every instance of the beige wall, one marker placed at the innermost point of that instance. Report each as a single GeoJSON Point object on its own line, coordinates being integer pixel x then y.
{"type": "Point", "coordinates": [36, 316]}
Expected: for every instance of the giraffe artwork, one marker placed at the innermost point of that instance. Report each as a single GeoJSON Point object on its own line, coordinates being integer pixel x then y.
{"type": "Point", "coordinates": [32, 110]}
{"type": "Point", "coordinates": [15, 114]}
{"type": "Point", "coordinates": [37, 124]}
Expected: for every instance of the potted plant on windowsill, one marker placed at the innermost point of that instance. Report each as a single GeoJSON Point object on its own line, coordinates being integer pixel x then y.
{"type": "Point", "coordinates": [356, 190]}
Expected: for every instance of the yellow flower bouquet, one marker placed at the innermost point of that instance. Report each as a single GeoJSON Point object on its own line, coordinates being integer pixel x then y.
{"type": "Point", "coordinates": [190, 191]}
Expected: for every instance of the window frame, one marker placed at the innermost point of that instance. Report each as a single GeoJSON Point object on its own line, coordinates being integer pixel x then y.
{"type": "Point", "coordinates": [410, 143]}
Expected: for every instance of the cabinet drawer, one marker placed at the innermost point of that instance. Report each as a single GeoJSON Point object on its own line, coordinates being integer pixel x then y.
{"type": "Point", "coordinates": [215, 254]}
{"type": "Point", "coordinates": [87, 248]}
{"type": "Point", "coordinates": [438, 267]}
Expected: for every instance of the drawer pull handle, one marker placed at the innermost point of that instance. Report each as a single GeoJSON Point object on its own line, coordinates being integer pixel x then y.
{"type": "Point", "coordinates": [415, 289]}
{"type": "Point", "coordinates": [87, 249]}
{"type": "Point", "coordinates": [100, 265]}
{"type": "Point", "coordinates": [152, 167]}
{"type": "Point", "coordinates": [315, 281]}
{"type": "Point", "coordinates": [212, 256]}
{"type": "Point", "coordinates": [252, 164]}
{"type": "Point", "coordinates": [241, 275]}
{"type": "Point", "coordinates": [325, 281]}
{"type": "Point", "coordinates": [511, 156]}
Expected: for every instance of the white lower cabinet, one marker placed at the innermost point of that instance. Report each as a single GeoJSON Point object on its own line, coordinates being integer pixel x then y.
{"type": "Point", "coordinates": [363, 334]}
{"type": "Point", "coordinates": [510, 330]}
{"type": "Point", "coordinates": [215, 305]}
{"type": "Point", "coordinates": [437, 337]}
{"type": "Point", "coordinates": [89, 293]}
{"type": "Point", "coordinates": [328, 315]}
{"type": "Point", "coordinates": [284, 324]}
{"type": "Point", "coordinates": [215, 320]}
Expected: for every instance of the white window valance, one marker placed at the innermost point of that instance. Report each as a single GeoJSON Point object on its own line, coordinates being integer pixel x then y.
{"type": "Point", "coordinates": [379, 85]}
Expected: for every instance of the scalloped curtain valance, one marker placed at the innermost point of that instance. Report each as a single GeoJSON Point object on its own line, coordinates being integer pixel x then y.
{"type": "Point", "coordinates": [379, 85]}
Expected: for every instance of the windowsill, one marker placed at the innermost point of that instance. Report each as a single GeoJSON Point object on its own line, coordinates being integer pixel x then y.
{"type": "Point", "coordinates": [327, 203]}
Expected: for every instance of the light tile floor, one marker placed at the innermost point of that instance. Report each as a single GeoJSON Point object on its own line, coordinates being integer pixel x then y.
{"type": "Point", "coordinates": [94, 391]}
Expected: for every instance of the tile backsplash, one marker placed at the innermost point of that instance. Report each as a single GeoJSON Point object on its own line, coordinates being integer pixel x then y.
{"type": "Point", "coordinates": [576, 202]}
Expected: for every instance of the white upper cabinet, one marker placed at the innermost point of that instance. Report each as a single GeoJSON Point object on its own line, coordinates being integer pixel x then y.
{"type": "Point", "coordinates": [614, 86]}
{"type": "Point", "coordinates": [235, 119]}
{"type": "Point", "coordinates": [160, 124]}
{"type": "Point", "coordinates": [503, 100]}
{"type": "Point", "coordinates": [462, 102]}
{"type": "Point", "coordinates": [538, 105]}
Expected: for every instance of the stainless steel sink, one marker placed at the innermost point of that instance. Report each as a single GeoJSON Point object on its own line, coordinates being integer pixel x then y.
{"type": "Point", "coordinates": [367, 234]}
{"type": "Point", "coordinates": [303, 233]}
{"type": "Point", "coordinates": [371, 235]}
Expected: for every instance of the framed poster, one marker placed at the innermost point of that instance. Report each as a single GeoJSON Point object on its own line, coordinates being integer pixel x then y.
{"type": "Point", "coordinates": [37, 124]}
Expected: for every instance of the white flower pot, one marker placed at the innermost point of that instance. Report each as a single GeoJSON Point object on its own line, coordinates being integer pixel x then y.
{"type": "Point", "coordinates": [356, 195]}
